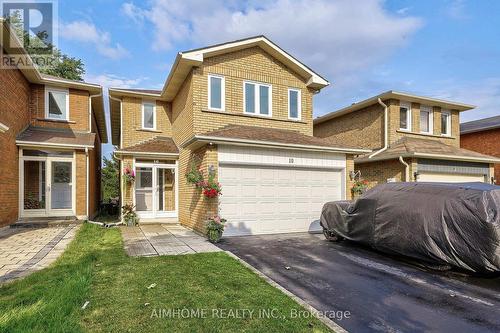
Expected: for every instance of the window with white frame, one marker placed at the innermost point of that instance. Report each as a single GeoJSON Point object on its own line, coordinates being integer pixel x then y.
{"type": "Point", "coordinates": [216, 92]}
{"type": "Point", "coordinates": [426, 123]}
{"type": "Point", "coordinates": [149, 115]}
{"type": "Point", "coordinates": [445, 123]}
{"type": "Point", "coordinates": [294, 104]}
{"type": "Point", "coordinates": [57, 103]}
{"type": "Point", "coordinates": [257, 98]}
{"type": "Point", "coordinates": [405, 116]}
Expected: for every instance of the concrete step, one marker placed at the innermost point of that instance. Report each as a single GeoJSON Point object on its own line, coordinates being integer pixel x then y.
{"type": "Point", "coordinates": [162, 220]}
{"type": "Point", "coordinates": [46, 222]}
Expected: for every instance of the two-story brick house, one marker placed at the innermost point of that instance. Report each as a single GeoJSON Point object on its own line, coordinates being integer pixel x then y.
{"type": "Point", "coordinates": [241, 111]}
{"type": "Point", "coordinates": [50, 142]}
{"type": "Point", "coordinates": [413, 138]}
{"type": "Point", "coordinates": [483, 136]}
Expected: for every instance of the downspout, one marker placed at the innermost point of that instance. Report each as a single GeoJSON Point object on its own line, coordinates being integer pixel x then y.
{"type": "Point", "coordinates": [121, 117]}
{"type": "Point", "coordinates": [386, 129]}
{"type": "Point", "coordinates": [87, 153]}
{"type": "Point", "coordinates": [407, 169]}
{"type": "Point", "coordinates": [88, 182]}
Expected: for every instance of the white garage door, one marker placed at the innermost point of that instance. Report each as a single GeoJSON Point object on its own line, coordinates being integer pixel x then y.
{"type": "Point", "coordinates": [275, 199]}
{"type": "Point", "coordinates": [449, 178]}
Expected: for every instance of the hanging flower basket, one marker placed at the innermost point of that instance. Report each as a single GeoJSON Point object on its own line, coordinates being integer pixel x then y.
{"type": "Point", "coordinates": [195, 176]}
{"type": "Point", "coordinates": [215, 228]}
{"type": "Point", "coordinates": [211, 189]}
{"type": "Point", "coordinates": [359, 187]}
{"type": "Point", "coordinates": [128, 175]}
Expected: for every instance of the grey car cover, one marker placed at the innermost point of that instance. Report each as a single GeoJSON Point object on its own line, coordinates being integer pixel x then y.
{"type": "Point", "coordinates": [454, 224]}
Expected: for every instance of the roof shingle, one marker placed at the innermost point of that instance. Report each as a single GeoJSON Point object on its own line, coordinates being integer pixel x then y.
{"type": "Point", "coordinates": [480, 125]}
{"type": "Point", "coordinates": [409, 146]}
{"type": "Point", "coordinates": [52, 136]}
{"type": "Point", "coordinates": [274, 135]}
{"type": "Point", "coordinates": [159, 144]}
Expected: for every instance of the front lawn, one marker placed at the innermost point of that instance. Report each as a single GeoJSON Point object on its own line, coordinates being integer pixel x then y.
{"type": "Point", "coordinates": [191, 293]}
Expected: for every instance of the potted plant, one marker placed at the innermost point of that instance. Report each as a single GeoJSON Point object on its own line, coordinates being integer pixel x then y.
{"type": "Point", "coordinates": [211, 188]}
{"type": "Point", "coordinates": [195, 176]}
{"type": "Point", "coordinates": [129, 215]}
{"type": "Point", "coordinates": [215, 228]}
{"type": "Point", "coordinates": [128, 175]}
{"type": "Point", "coordinates": [359, 187]}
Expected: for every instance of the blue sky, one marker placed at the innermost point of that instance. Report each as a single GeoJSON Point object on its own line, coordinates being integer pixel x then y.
{"type": "Point", "coordinates": [440, 48]}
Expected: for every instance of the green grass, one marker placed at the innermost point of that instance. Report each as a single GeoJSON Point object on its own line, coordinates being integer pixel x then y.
{"type": "Point", "coordinates": [96, 268]}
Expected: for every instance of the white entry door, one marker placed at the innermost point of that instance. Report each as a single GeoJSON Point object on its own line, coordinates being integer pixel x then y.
{"type": "Point", "coordinates": [47, 183]}
{"type": "Point", "coordinates": [156, 190]}
{"type": "Point", "coordinates": [275, 199]}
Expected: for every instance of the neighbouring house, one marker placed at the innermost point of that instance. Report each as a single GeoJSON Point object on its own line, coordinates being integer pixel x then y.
{"type": "Point", "coordinates": [483, 136]}
{"type": "Point", "coordinates": [413, 138]}
{"type": "Point", "coordinates": [51, 131]}
{"type": "Point", "coordinates": [241, 113]}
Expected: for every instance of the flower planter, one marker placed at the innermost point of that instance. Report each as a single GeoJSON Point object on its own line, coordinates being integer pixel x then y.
{"type": "Point", "coordinates": [214, 236]}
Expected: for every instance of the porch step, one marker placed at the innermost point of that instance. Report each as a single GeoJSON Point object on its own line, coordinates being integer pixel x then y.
{"type": "Point", "coordinates": [162, 220]}
{"type": "Point", "coordinates": [46, 222]}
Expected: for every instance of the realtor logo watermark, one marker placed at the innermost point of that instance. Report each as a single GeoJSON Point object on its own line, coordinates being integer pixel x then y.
{"type": "Point", "coordinates": [30, 28]}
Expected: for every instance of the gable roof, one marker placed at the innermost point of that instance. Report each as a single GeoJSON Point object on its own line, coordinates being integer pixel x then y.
{"type": "Point", "coordinates": [188, 59]}
{"type": "Point", "coordinates": [425, 148]}
{"type": "Point", "coordinates": [254, 135]}
{"type": "Point", "coordinates": [31, 72]}
{"type": "Point", "coordinates": [392, 94]}
{"type": "Point", "coordinates": [480, 125]}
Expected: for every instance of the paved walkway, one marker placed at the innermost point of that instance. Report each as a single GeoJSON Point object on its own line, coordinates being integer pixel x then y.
{"type": "Point", "coordinates": [25, 250]}
{"type": "Point", "coordinates": [164, 239]}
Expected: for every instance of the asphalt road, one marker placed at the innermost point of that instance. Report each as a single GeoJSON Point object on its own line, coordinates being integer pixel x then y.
{"type": "Point", "coordinates": [380, 293]}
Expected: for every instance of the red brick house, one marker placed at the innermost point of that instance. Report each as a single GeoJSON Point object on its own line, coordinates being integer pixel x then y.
{"type": "Point", "coordinates": [483, 136]}
{"type": "Point", "coordinates": [51, 131]}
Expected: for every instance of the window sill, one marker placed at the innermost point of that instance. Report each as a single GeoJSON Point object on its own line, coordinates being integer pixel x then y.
{"type": "Point", "coordinates": [56, 120]}
{"type": "Point", "coordinates": [149, 130]}
{"type": "Point", "coordinates": [428, 135]}
{"type": "Point", "coordinates": [227, 113]}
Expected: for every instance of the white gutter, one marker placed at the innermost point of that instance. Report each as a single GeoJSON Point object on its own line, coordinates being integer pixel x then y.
{"type": "Point", "coordinates": [47, 144]}
{"type": "Point", "coordinates": [407, 169]}
{"type": "Point", "coordinates": [88, 182]}
{"type": "Point", "coordinates": [90, 110]}
{"type": "Point", "coordinates": [386, 129]}
{"type": "Point", "coordinates": [272, 143]}
{"type": "Point", "coordinates": [124, 152]}
{"type": "Point", "coordinates": [3, 128]}
{"type": "Point", "coordinates": [121, 120]}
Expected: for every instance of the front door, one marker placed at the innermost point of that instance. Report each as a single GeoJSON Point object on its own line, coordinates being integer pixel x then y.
{"type": "Point", "coordinates": [156, 190]}
{"type": "Point", "coordinates": [47, 183]}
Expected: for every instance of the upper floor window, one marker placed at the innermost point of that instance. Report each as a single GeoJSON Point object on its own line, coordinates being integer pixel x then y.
{"type": "Point", "coordinates": [405, 116]}
{"type": "Point", "coordinates": [216, 92]}
{"type": "Point", "coordinates": [426, 119]}
{"type": "Point", "coordinates": [257, 98]}
{"type": "Point", "coordinates": [149, 115]}
{"type": "Point", "coordinates": [57, 103]}
{"type": "Point", "coordinates": [294, 104]}
{"type": "Point", "coordinates": [446, 123]}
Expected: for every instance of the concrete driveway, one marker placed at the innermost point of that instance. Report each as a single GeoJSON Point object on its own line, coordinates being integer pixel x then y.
{"type": "Point", "coordinates": [381, 294]}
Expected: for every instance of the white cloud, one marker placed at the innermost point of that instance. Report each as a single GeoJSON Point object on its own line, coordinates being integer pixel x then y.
{"type": "Point", "coordinates": [86, 32]}
{"type": "Point", "coordinates": [111, 80]}
{"type": "Point", "coordinates": [335, 38]}
{"type": "Point", "coordinates": [485, 94]}
{"type": "Point", "coordinates": [457, 10]}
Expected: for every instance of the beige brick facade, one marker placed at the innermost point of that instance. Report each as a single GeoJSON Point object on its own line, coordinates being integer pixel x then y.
{"type": "Point", "coordinates": [188, 115]}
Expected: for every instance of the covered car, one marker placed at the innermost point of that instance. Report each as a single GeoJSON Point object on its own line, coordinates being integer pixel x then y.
{"type": "Point", "coordinates": [440, 223]}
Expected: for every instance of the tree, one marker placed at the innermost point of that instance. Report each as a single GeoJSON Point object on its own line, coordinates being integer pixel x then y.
{"type": "Point", "coordinates": [110, 178]}
{"type": "Point", "coordinates": [61, 65]}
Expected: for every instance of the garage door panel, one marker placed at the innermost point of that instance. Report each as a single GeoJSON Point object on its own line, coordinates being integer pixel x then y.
{"type": "Point", "coordinates": [274, 199]}
{"type": "Point", "coordinates": [449, 178]}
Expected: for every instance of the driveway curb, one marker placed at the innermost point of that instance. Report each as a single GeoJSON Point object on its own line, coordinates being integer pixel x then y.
{"type": "Point", "coordinates": [315, 312]}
